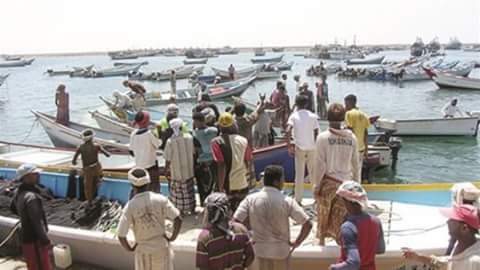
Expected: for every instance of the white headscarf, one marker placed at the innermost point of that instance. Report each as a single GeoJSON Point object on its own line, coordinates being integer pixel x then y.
{"type": "Point", "coordinates": [464, 191]}
{"type": "Point", "coordinates": [176, 125]}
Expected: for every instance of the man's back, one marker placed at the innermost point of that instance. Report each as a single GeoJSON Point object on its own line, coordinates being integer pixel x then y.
{"type": "Point", "coordinates": [358, 121]}
{"type": "Point", "coordinates": [144, 146]}
{"type": "Point", "coordinates": [304, 123]}
{"type": "Point", "coordinates": [89, 153]}
{"type": "Point", "coordinates": [268, 212]}
{"type": "Point", "coordinates": [204, 136]}
{"type": "Point", "coordinates": [179, 151]}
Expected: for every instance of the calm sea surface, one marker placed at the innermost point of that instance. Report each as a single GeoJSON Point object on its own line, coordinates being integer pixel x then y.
{"type": "Point", "coordinates": [421, 159]}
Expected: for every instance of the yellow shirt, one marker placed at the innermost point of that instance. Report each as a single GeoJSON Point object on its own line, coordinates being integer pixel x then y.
{"type": "Point", "coordinates": [358, 122]}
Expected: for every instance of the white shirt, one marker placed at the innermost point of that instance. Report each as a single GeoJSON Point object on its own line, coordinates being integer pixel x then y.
{"type": "Point", "coordinates": [336, 155]}
{"type": "Point", "coordinates": [297, 86]}
{"type": "Point", "coordinates": [145, 214]}
{"type": "Point", "coordinates": [122, 101]}
{"type": "Point", "coordinates": [304, 122]}
{"type": "Point", "coordinates": [469, 259]}
{"type": "Point", "coordinates": [269, 211]}
{"type": "Point", "coordinates": [144, 147]}
{"type": "Point", "coordinates": [450, 110]}
{"type": "Point", "coordinates": [179, 151]}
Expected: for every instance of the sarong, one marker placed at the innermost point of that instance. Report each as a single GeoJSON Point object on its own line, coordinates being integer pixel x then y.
{"type": "Point", "coordinates": [37, 257]}
{"type": "Point", "coordinates": [331, 211]}
{"type": "Point", "coordinates": [91, 177]}
{"type": "Point", "coordinates": [182, 195]}
{"type": "Point", "coordinates": [161, 260]}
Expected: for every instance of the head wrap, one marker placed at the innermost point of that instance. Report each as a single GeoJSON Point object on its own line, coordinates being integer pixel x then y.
{"type": "Point", "coordinates": [218, 212]}
{"type": "Point", "coordinates": [87, 134]}
{"type": "Point", "coordinates": [25, 169]}
{"type": "Point", "coordinates": [225, 120]}
{"type": "Point", "coordinates": [142, 119]}
{"type": "Point", "coordinates": [354, 192]}
{"type": "Point", "coordinates": [464, 191]}
{"type": "Point", "coordinates": [138, 181]}
{"type": "Point", "coordinates": [176, 126]}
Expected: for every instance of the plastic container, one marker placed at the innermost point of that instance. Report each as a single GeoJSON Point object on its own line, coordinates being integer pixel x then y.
{"type": "Point", "coordinates": [63, 256]}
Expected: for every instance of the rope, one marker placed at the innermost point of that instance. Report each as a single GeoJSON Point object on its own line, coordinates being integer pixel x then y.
{"type": "Point", "coordinates": [10, 234]}
{"type": "Point", "coordinates": [30, 131]}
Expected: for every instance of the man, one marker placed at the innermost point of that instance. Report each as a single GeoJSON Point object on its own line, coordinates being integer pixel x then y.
{"type": "Point", "coordinates": [361, 233]}
{"type": "Point", "coordinates": [139, 94]}
{"type": "Point", "coordinates": [92, 169]}
{"type": "Point", "coordinates": [145, 214]}
{"type": "Point", "coordinates": [463, 225]}
{"type": "Point", "coordinates": [261, 130]}
{"type": "Point", "coordinates": [336, 160]}
{"type": "Point", "coordinates": [298, 84]}
{"type": "Point", "coordinates": [206, 168]}
{"type": "Point", "coordinates": [173, 83]}
{"type": "Point", "coordinates": [322, 98]}
{"type": "Point", "coordinates": [280, 102]}
{"type": "Point", "coordinates": [222, 244]}
{"type": "Point", "coordinates": [309, 94]}
{"type": "Point", "coordinates": [178, 154]}
{"type": "Point", "coordinates": [359, 123]}
{"type": "Point", "coordinates": [27, 204]}
{"type": "Point", "coordinates": [450, 109]}
{"type": "Point", "coordinates": [122, 101]}
{"type": "Point", "coordinates": [284, 80]}
{"type": "Point", "coordinates": [304, 125]}
{"type": "Point", "coordinates": [62, 103]}
{"type": "Point", "coordinates": [144, 146]}
{"type": "Point", "coordinates": [231, 72]}
{"type": "Point", "coordinates": [232, 154]}
{"type": "Point", "coordinates": [163, 130]}
{"type": "Point", "coordinates": [268, 213]}
{"type": "Point", "coordinates": [209, 109]}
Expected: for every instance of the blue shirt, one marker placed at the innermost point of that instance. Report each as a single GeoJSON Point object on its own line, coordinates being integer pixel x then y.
{"type": "Point", "coordinates": [204, 136]}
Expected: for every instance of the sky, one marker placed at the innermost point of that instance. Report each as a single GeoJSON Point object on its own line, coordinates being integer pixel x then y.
{"type": "Point", "coordinates": [54, 26]}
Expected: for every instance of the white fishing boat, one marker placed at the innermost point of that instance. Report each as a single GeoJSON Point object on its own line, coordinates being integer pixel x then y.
{"type": "Point", "coordinates": [18, 63]}
{"type": "Point", "coordinates": [195, 61]}
{"type": "Point", "coordinates": [239, 73]}
{"type": "Point", "coordinates": [70, 136]}
{"type": "Point", "coordinates": [3, 78]}
{"type": "Point", "coordinates": [446, 80]}
{"type": "Point", "coordinates": [461, 126]}
{"type": "Point", "coordinates": [181, 72]}
{"type": "Point", "coordinates": [115, 71]}
{"type": "Point", "coordinates": [367, 61]}
{"type": "Point", "coordinates": [268, 74]}
{"type": "Point", "coordinates": [72, 72]}
{"type": "Point", "coordinates": [110, 123]}
{"type": "Point", "coordinates": [267, 59]}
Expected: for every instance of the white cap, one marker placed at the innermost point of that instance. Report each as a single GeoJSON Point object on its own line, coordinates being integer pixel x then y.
{"type": "Point", "coordinates": [25, 169]}
{"type": "Point", "coordinates": [138, 181]}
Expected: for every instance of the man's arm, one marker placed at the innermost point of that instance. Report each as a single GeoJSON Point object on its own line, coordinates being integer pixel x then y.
{"type": "Point", "coordinates": [288, 135]}
{"type": "Point", "coordinates": [298, 215]}
{"type": "Point", "coordinates": [103, 151]}
{"type": "Point", "coordinates": [320, 165]}
{"type": "Point", "coordinates": [34, 211]}
{"type": "Point", "coordinates": [177, 225]}
{"type": "Point", "coordinates": [75, 157]}
{"type": "Point", "coordinates": [304, 232]}
{"type": "Point", "coordinates": [349, 236]}
{"type": "Point", "coordinates": [365, 142]}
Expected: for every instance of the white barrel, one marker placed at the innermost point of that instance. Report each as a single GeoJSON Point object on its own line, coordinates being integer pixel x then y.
{"type": "Point", "coordinates": [62, 255]}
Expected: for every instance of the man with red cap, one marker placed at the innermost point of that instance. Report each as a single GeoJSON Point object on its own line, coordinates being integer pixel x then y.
{"type": "Point", "coordinates": [463, 224]}
{"type": "Point", "coordinates": [144, 146]}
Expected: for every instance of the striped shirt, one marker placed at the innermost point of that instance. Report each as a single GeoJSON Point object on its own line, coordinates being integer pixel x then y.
{"type": "Point", "coordinates": [179, 151]}
{"type": "Point", "coordinates": [215, 252]}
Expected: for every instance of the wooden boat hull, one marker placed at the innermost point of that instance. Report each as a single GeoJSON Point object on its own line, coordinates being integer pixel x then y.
{"type": "Point", "coordinates": [445, 80]}
{"type": "Point", "coordinates": [462, 126]}
{"type": "Point", "coordinates": [267, 59]}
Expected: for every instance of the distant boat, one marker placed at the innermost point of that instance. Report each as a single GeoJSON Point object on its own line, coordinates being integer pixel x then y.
{"type": "Point", "coordinates": [227, 50]}
{"type": "Point", "coordinates": [267, 59]}
{"type": "Point", "coordinates": [115, 64]}
{"type": "Point", "coordinates": [461, 126]}
{"type": "Point", "coordinates": [278, 49]}
{"type": "Point", "coordinates": [73, 72]}
{"type": "Point", "coordinates": [3, 78]}
{"type": "Point", "coordinates": [446, 80]}
{"type": "Point", "coordinates": [239, 73]}
{"type": "Point", "coordinates": [123, 55]}
{"type": "Point", "coordinates": [418, 48]}
{"type": "Point", "coordinates": [366, 61]}
{"type": "Point", "coordinates": [115, 71]}
{"type": "Point", "coordinates": [12, 58]}
{"type": "Point", "coordinates": [195, 61]}
{"type": "Point", "coordinates": [282, 66]}
{"type": "Point", "coordinates": [19, 63]}
{"type": "Point", "coordinates": [181, 72]}
{"type": "Point", "coordinates": [259, 52]}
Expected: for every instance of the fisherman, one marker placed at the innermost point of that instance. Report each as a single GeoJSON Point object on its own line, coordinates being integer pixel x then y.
{"type": "Point", "coordinates": [336, 160]}
{"type": "Point", "coordinates": [261, 130]}
{"type": "Point", "coordinates": [122, 101]}
{"type": "Point", "coordinates": [145, 213]}
{"type": "Point", "coordinates": [231, 72]}
{"type": "Point", "coordinates": [322, 98]}
{"type": "Point", "coordinates": [268, 212]}
{"type": "Point", "coordinates": [178, 155]}
{"type": "Point", "coordinates": [298, 83]}
{"type": "Point", "coordinates": [463, 225]}
{"type": "Point", "coordinates": [62, 103]}
{"type": "Point", "coordinates": [222, 244]}
{"type": "Point", "coordinates": [361, 233]}
{"type": "Point", "coordinates": [232, 154]}
{"type": "Point", "coordinates": [303, 125]}
{"type": "Point", "coordinates": [463, 193]}
{"type": "Point", "coordinates": [208, 108]}
{"type": "Point", "coordinates": [206, 168]}
{"type": "Point", "coordinates": [358, 122]}
{"type": "Point", "coordinates": [280, 102]}
{"type": "Point", "coordinates": [310, 98]}
{"type": "Point", "coordinates": [27, 204]}
{"type": "Point", "coordinates": [451, 109]}
{"type": "Point", "coordinates": [173, 83]}
{"type": "Point", "coordinates": [284, 80]}
{"type": "Point", "coordinates": [144, 146]}
{"type": "Point", "coordinates": [138, 100]}
{"type": "Point", "coordinates": [92, 169]}
{"type": "Point", "coordinates": [163, 129]}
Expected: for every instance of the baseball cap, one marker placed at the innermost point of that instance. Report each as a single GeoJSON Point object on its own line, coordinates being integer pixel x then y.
{"type": "Point", "coordinates": [25, 169]}
{"type": "Point", "coordinates": [225, 120]}
{"type": "Point", "coordinates": [138, 181]}
{"type": "Point", "coordinates": [465, 213]}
